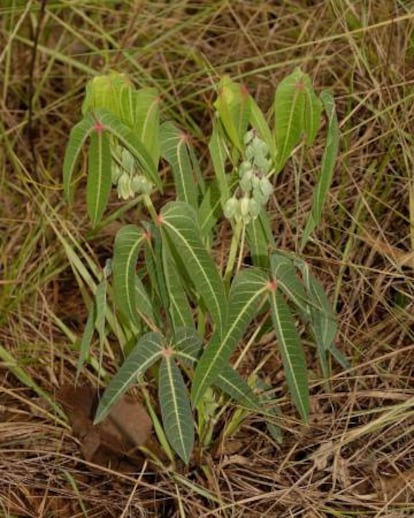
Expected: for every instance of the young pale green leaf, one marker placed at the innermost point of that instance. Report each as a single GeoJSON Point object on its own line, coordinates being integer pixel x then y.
{"type": "Point", "coordinates": [178, 305]}
{"type": "Point", "coordinates": [188, 344]}
{"type": "Point", "coordinates": [129, 295]}
{"type": "Point", "coordinates": [77, 138]}
{"type": "Point", "coordinates": [258, 122]}
{"type": "Point", "coordinates": [292, 353]}
{"type": "Point", "coordinates": [99, 176]}
{"type": "Point", "coordinates": [130, 140]}
{"type": "Point", "coordinates": [246, 294]}
{"type": "Point", "coordinates": [177, 417]}
{"type": "Point", "coordinates": [327, 167]}
{"type": "Point", "coordinates": [260, 239]}
{"type": "Point", "coordinates": [285, 274]}
{"type": "Point", "coordinates": [218, 153]}
{"type": "Point", "coordinates": [104, 91]}
{"type": "Point", "coordinates": [233, 107]}
{"type": "Point", "coordinates": [147, 120]}
{"type": "Point", "coordinates": [289, 106]}
{"type": "Point", "coordinates": [125, 97]}
{"type": "Point", "coordinates": [181, 233]}
{"type": "Point", "coordinates": [313, 111]}
{"type": "Point", "coordinates": [174, 149]}
{"type": "Point", "coordinates": [86, 340]}
{"type": "Point", "coordinates": [148, 350]}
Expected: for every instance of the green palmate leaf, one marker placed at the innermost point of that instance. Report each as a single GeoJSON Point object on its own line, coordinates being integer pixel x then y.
{"type": "Point", "coordinates": [174, 149]}
{"type": "Point", "coordinates": [181, 233]}
{"type": "Point", "coordinates": [292, 353]}
{"type": "Point", "coordinates": [147, 120]}
{"type": "Point", "coordinates": [246, 294]}
{"type": "Point", "coordinates": [233, 107]}
{"type": "Point", "coordinates": [289, 107]}
{"type": "Point", "coordinates": [258, 122]}
{"type": "Point", "coordinates": [153, 251]}
{"type": "Point", "coordinates": [312, 113]}
{"type": "Point", "coordinates": [130, 140]}
{"type": "Point", "coordinates": [218, 153]}
{"type": "Point", "coordinates": [260, 239]}
{"type": "Point", "coordinates": [178, 305]}
{"type": "Point", "coordinates": [188, 344]}
{"type": "Point", "coordinates": [77, 138]}
{"type": "Point", "coordinates": [327, 167]}
{"type": "Point", "coordinates": [323, 317]}
{"type": "Point", "coordinates": [285, 274]}
{"type": "Point", "coordinates": [129, 295]}
{"type": "Point", "coordinates": [99, 176]}
{"type": "Point", "coordinates": [176, 412]}
{"type": "Point", "coordinates": [147, 351]}
{"type": "Point", "coordinates": [86, 340]}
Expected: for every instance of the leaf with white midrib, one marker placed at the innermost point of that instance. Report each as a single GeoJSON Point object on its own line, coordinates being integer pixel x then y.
{"type": "Point", "coordinates": [179, 224]}
{"type": "Point", "coordinates": [99, 182]}
{"type": "Point", "coordinates": [125, 283]}
{"type": "Point", "coordinates": [292, 353]}
{"type": "Point", "coordinates": [77, 138]}
{"type": "Point", "coordinates": [174, 150]}
{"type": "Point", "coordinates": [175, 405]}
{"type": "Point", "coordinates": [246, 294]}
{"type": "Point", "coordinates": [147, 351]}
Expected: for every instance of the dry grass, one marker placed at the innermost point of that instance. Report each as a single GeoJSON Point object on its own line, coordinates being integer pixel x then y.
{"type": "Point", "coordinates": [356, 457]}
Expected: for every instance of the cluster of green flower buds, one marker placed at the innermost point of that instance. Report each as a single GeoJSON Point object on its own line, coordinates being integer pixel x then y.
{"type": "Point", "coordinates": [253, 181]}
{"type": "Point", "coordinates": [126, 176]}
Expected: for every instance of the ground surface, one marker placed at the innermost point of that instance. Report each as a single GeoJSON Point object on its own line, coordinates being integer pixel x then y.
{"type": "Point", "coordinates": [356, 457]}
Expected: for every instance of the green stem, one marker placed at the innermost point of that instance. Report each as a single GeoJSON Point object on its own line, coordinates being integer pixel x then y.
{"type": "Point", "coordinates": [149, 205]}
{"type": "Point", "coordinates": [233, 250]}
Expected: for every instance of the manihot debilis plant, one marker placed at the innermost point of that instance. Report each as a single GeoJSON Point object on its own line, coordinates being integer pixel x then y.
{"type": "Point", "coordinates": [177, 316]}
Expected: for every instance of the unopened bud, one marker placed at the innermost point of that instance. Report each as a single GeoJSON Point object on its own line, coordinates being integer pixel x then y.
{"type": "Point", "coordinates": [231, 208]}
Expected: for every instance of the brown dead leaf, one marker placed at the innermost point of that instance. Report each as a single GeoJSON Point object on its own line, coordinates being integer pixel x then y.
{"type": "Point", "coordinates": [115, 441]}
{"type": "Point", "coordinates": [399, 488]}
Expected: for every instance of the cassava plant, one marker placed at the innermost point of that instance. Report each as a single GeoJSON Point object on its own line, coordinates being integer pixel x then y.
{"type": "Point", "coordinates": [177, 315]}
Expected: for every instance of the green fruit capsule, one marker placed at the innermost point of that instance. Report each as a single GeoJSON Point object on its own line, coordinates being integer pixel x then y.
{"type": "Point", "coordinates": [124, 187]}
{"type": "Point", "coordinates": [266, 187]}
{"type": "Point", "coordinates": [246, 181]}
{"type": "Point", "coordinates": [231, 208]}
{"type": "Point", "coordinates": [244, 207]}
{"type": "Point", "coordinates": [244, 168]}
{"type": "Point", "coordinates": [254, 208]}
{"type": "Point", "coordinates": [248, 137]}
{"type": "Point", "coordinates": [137, 183]}
{"type": "Point", "coordinates": [115, 173]}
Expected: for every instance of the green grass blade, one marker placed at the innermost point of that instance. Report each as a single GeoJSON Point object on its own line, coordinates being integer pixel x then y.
{"type": "Point", "coordinates": [147, 351]}
{"type": "Point", "coordinates": [175, 406]}
{"type": "Point", "coordinates": [322, 314]}
{"type": "Point", "coordinates": [77, 138]}
{"type": "Point", "coordinates": [130, 140]}
{"type": "Point", "coordinates": [246, 293]}
{"type": "Point", "coordinates": [292, 353]}
{"type": "Point", "coordinates": [86, 340]}
{"type": "Point", "coordinates": [99, 176]}
{"type": "Point", "coordinates": [289, 105]}
{"type": "Point", "coordinates": [179, 225]}
{"type": "Point", "coordinates": [174, 149]}
{"type": "Point", "coordinates": [100, 305]}
{"type": "Point", "coordinates": [125, 283]}
{"type": "Point", "coordinates": [327, 167]}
